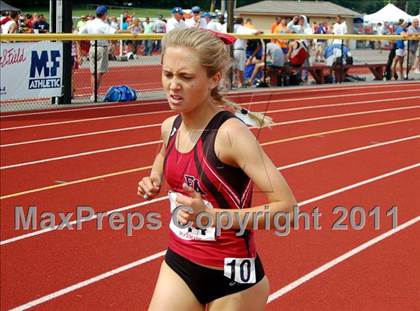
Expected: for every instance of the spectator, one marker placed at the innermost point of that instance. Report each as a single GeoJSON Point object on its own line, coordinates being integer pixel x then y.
{"type": "Point", "coordinates": [11, 26]}
{"type": "Point", "coordinates": [296, 56]}
{"type": "Point", "coordinates": [379, 31]}
{"type": "Point", "coordinates": [399, 51]}
{"type": "Point", "coordinates": [280, 29]}
{"type": "Point", "coordinates": [273, 59]}
{"type": "Point", "coordinates": [413, 47]}
{"type": "Point", "coordinates": [196, 19]}
{"type": "Point", "coordinates": [98, 26]}
{"type": "Point", "coordinates": [294, 26]}
{"type": "Point", "coordinates": [339, 28]}
{"type": "Point", "coordinates": [124, 25]}
{"type": "Point", "coordinates": [206, 19]}
{"type": "Point", "coordinates": [212, 23]}
{"type": "Point", "coordinates": [148, 44]}
{"type": "Point", "coordinates": [159, 26]}
{"type": "Point", "coordinates": [41, 25]}
{"type": "Point", "coordinates": [239, 56]}
{"type": "Point", "coordinates": [320, 43]}
{"type": "Point", "coordinates": [81, 22]}
{"type": "Point", "coordinates": [176, 21]}
{"type": "Point", "coordinates": [4, 18]}
{"type": "Point", "coordinates": [275, 24]}
{"type": "Point", "coordinates": [249, 24]}
{"type": "Point", "coordinates": [135, 28]}
{"type": "Point", "coordinates": [29, 21]}
{"type": "Point", "coordinates": [114, 22]}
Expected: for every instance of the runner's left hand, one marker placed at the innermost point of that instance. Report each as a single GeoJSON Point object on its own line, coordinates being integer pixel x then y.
{"type": "Point", "coordinates": [193, 200]}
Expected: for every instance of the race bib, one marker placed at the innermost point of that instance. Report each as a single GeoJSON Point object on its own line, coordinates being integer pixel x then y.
{"type": "Point", "coordinates": [240, 270]}
{"type": "Point", "coordinates": [190, 233]}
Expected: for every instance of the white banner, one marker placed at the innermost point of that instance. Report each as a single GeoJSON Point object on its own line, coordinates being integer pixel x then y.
{"type": "Point", "coordinates": [31, 70]}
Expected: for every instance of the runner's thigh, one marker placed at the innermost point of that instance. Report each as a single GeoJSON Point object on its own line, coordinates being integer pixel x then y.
{"type": "Point", "coordinates": [171, 293]}
{"type": "Point", "coordinates": [252, 299]}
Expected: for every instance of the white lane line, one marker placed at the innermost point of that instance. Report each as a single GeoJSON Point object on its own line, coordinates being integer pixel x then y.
{"type": "Point", "coordinates": [74, 222]}
{"type": "Point", "coordinates": [344, 115]}
{"type": "Point", "coordinates": [82, 154]}
{"type": "Point", "coordinates": [168, 111]}
{"type": "Point", "coordinates": [160, 101]}
{"type": "Point", "coordinates": [89, 281]}
{"type": "Point", "coordinates": [281, 168]}
{"type": "Point", "coordinates": [159, 124]}
{"type": "Point", "coordinates": [80, 135]}
{"type": "Point", "coordinates": [282, 291]}
{"type": "Point", "coordinates": [141, 261]}
{"type": "Point", "coordinates": [75, 155]}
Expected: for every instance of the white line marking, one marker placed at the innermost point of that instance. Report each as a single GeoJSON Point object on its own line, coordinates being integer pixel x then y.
{"type": "Point", "coordinates": [82, 154]}
{"type": "Point", "coordinates": [161, 253]}
{"type": "Point", "coordinates": [74, 222]}
{"type": "Point", "coordinates": [344, 115]}
{"type": "Point", "coordinates": [282, 291]}
{"type": "Point", "coordinates": [89, 281]}
{"type": "Point", "coordinates": [274, 91]}
{"type": "Point", "coordinates": [168, 111]}
{"type": "Point", "coordinates": [75, 155]}
{"type": "Point", "coordinates": [281, 168]}
{"type": "Point", "coordinates": [80, 135]}
{"type": "Point", "coordinates": [158, 124]}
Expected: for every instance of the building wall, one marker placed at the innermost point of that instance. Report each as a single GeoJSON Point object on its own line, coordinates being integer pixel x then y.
{"type": "Point", "coordinates": [264, 22]}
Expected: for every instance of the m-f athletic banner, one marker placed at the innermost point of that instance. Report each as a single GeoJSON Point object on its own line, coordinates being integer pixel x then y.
{"type": "Point", "coordinates": [30, 70]}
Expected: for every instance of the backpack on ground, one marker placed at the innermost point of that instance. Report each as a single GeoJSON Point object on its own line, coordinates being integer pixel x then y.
{"type": "Point", "coordinates": [121, 93]}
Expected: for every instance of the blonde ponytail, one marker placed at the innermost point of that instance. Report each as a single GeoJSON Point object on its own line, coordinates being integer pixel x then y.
{"type": "Point", "coordinates": [260, 119]}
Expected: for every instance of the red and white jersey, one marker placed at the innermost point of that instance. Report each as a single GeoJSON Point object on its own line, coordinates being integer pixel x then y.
{"type": "Point", "coordinates": [222, 186]}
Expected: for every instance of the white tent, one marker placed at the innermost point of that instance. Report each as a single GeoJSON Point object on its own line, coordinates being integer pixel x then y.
{"type": "Point", "coordinates": [389, 13]}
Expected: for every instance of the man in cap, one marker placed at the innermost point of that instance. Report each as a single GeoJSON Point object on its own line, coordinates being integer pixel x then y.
{"type": "Point", "coordinates": [177, 20]}
{"type": "Point", "coordinates": [212, 23]}
{"type": "Point", "coordinates": [196, 20]}
{"type": "Point", "coordinates": [98, 26]}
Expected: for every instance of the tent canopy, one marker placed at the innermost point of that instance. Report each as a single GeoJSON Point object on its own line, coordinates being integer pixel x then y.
{"type": "Point", "coordinates": [389, 13]}
{"type": "Point", "coordinates": [4, 7]}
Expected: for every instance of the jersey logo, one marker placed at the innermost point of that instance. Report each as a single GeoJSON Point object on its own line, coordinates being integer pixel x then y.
{"type": "Point", "coordinates": [194, 183]}
{"type": "Point", "coordinates": [173, 132]}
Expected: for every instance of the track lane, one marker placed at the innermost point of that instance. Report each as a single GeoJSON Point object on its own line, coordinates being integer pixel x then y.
{"type": "Point", "coordinates": [382, 277]}
{"type": "Point", "coordinates": [93, 119]}
{"type": "Point", "coordinates": [93, 243]}
{"type": "Point", "coordinates": [99, 163]}
{"type": "Point", "coordinates": [144, 133]}
{"type": "Point", "coordinates": [299, 245]}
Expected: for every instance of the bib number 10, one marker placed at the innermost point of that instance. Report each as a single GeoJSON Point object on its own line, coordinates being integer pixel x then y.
{"type": "Point", "coordinates": [240, 270]}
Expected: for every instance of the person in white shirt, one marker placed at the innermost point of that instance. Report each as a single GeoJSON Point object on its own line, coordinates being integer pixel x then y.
{"type": "Point", "coordinates": [212, 23]}
{"type": "Point", "coordinates": [11, 26]}
{"type": "Point", "coordinates": [98, 26]}
{"type": "Point", "coordinates": [176, 21]}
{"type": "Point", "coordinates": [339, 28]}
{"type": "Point", "coordinates": [159, 26]}
{"type": "Point", "coordinates": [196, 20]}
{"type": "Point", "coordinates": [239, 48]}
{"type": "Point", "coordinates": [413, 46]}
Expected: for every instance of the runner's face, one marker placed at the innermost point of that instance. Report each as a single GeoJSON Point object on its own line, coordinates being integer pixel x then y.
{"type": "Point", "coordinates": [184, 80]}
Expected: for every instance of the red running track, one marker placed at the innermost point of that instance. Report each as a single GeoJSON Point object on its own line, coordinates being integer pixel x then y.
{"type": "Point", "coordinates": [60, 259]}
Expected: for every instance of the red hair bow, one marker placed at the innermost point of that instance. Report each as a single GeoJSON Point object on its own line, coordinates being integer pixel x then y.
{"type": "Point", "coordinates": [226, 38]}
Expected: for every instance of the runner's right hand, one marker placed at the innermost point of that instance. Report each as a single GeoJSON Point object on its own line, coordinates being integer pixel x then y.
{"type": "Point", "coordinates": [149, 187]}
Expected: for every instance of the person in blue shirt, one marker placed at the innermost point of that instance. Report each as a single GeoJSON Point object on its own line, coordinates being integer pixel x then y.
{"type": "Point", "coordinates": [399, 50]}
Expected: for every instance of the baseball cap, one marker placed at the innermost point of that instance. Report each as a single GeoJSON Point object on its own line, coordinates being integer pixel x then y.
{"type": "Point", "coordinates": [196, 9]}
{"type": "Point", "coordinates": [206, 14]}
{"type": "Point", "coordinates": [101, 9]}
{"type": "Point", "coordinates": [177, 9]}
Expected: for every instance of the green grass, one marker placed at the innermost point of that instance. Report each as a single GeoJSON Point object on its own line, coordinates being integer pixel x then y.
{"type": "Point", "coordinates": [139, 12]}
